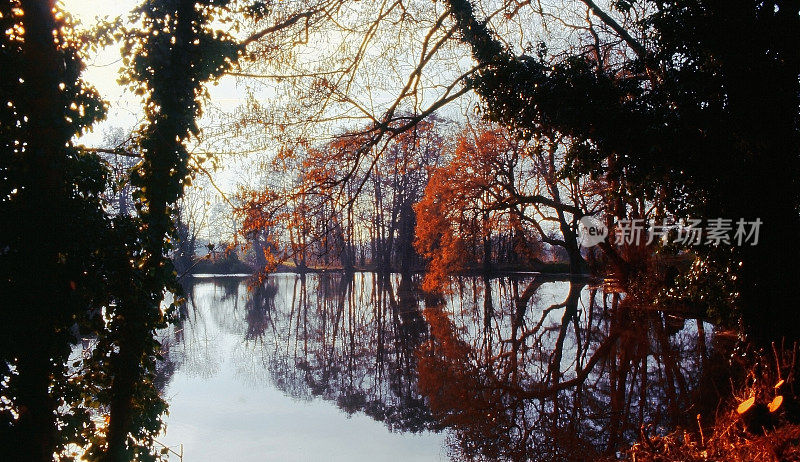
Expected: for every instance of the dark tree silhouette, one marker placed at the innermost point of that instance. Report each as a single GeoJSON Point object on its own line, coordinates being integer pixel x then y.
{"type": "Point", "coordinates": [52, 277]}
{"type": "Point", "coordinates": [701, 115]}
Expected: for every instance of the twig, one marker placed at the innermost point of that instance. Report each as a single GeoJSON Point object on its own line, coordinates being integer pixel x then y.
{"type": "Point", "coordinates": [702, 437]}
{"type": "Point", "coordinates": [777, 360]}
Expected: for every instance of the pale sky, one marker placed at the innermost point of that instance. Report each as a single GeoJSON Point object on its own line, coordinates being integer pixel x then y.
{"type": "Point", "coordinates": [125, 108]}
{"type": "Point", "coordinates": [102, 71]}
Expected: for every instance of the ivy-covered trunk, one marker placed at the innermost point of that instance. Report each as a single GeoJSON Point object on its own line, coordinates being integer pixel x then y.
{"type": "Point", "coordinates": [169, 60]}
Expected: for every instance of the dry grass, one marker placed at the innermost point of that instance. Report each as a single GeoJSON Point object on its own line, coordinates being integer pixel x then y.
{"type": "Point", "coordinates": [755, 435]}
{"type": "Point", "coordinates": [730, 441]}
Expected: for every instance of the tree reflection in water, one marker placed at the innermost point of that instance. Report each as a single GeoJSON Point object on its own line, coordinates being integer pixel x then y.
{"type": "Point", "coordinates": [513, 368]}
{"type": "Point", "coordinates": [549, 377]}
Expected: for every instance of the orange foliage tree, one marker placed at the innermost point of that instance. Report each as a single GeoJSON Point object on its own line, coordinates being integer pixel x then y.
{"type": "Point", "coordinates": [342, 204]}
{"type": "Point", "coordinates": [496, 185]}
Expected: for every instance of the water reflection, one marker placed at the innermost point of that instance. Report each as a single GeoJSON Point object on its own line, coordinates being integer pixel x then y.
{"type": "Point", "coordinates": [559, 371]}
{"type": "Point", "coordinates": [509, 368]}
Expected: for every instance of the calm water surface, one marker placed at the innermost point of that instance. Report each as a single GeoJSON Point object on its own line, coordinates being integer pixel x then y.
{"type": "Point", "coordinates": [330, 367]}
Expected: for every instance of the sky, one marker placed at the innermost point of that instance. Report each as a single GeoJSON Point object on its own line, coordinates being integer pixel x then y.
{"type": "Point", "coordinates": [102, 71]}
{"type": "Point", "coordinates": [125, 108]}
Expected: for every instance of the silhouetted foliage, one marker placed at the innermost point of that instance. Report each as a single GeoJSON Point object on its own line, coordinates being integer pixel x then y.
{"type": "Point", "coordinates": [70, 270]}
{"type": "Point", "coordinates": [697, 112]}
{"type": "Point", "coordinates": [54, 267]}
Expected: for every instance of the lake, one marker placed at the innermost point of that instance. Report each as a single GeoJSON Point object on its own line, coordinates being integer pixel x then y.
{"type": "Point", "coordinates": [361, 367]}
